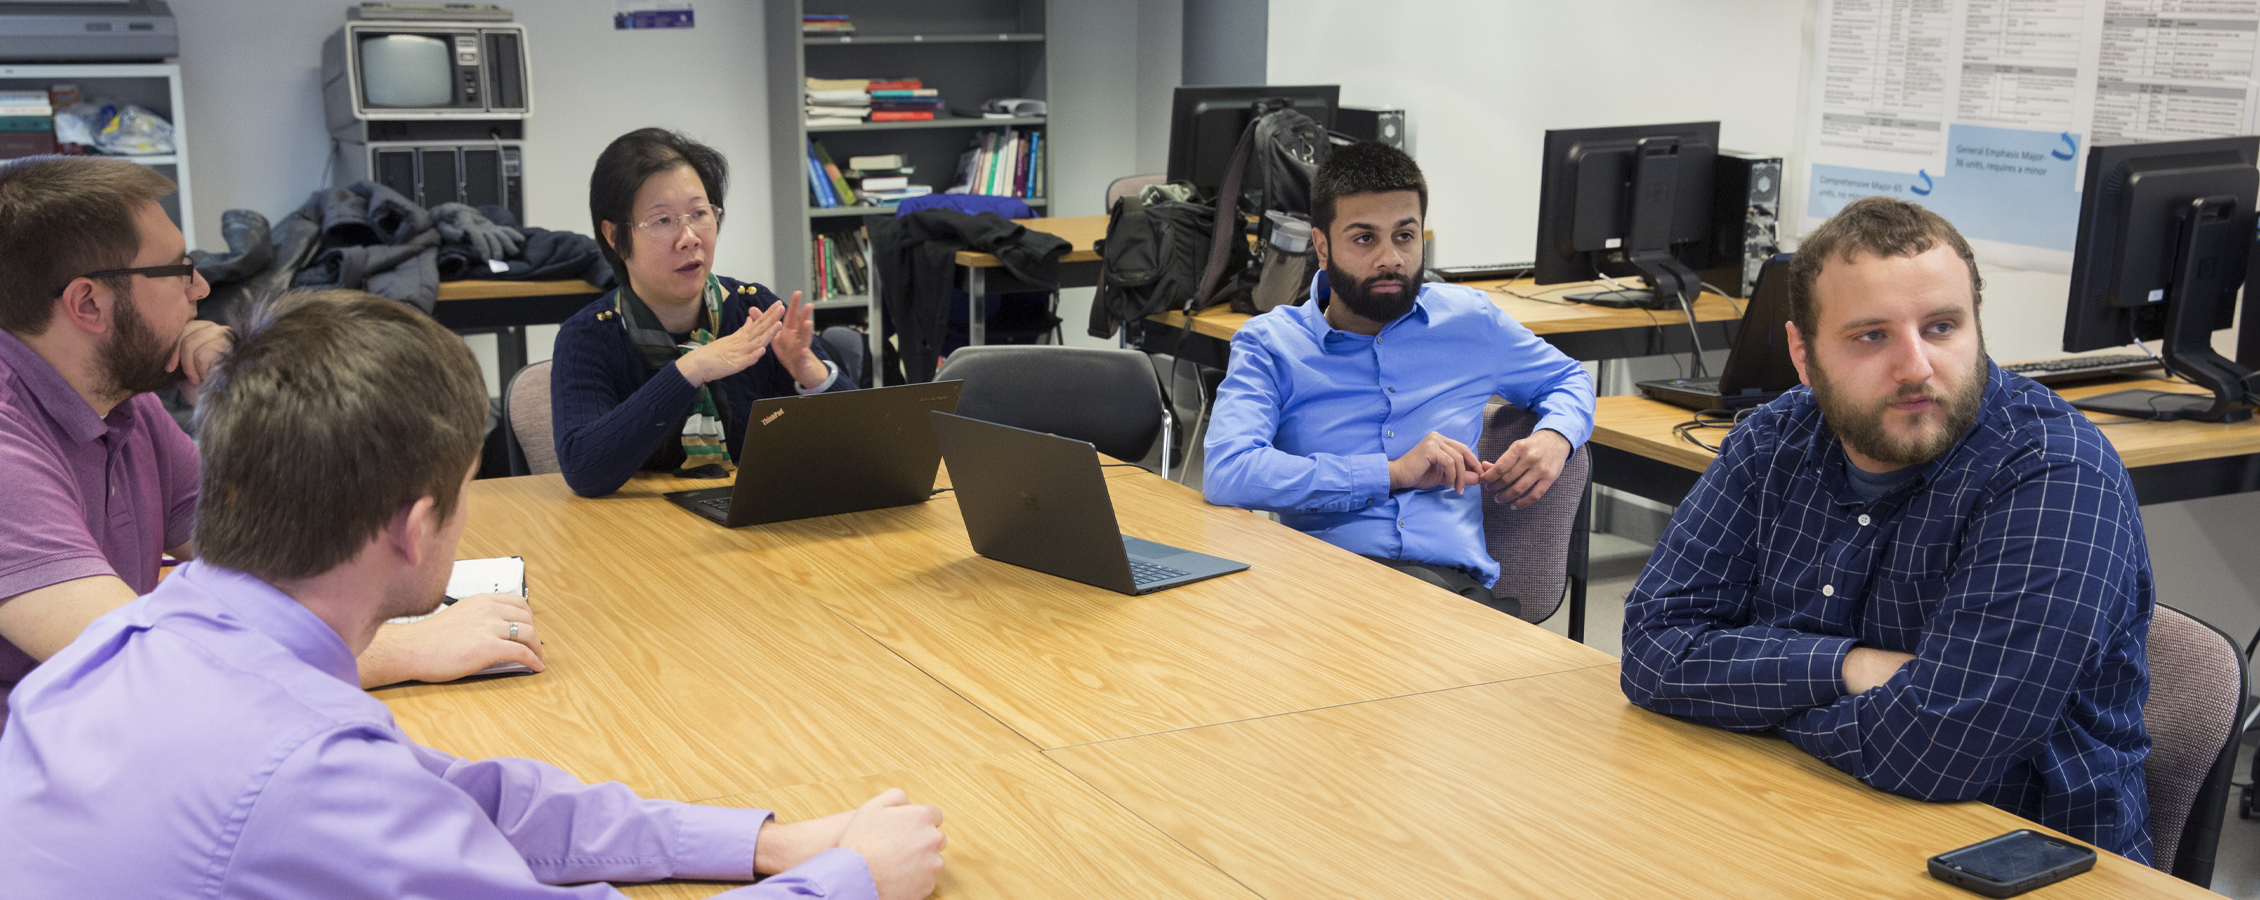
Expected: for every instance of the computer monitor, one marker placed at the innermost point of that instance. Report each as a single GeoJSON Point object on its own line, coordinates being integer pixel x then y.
{"type": "Point", "coordinates": [1205, 125]}
{"type": "Point", "coordinates": [1633, 200]}
{"type": "Point", "coordinates": [2166, 230]}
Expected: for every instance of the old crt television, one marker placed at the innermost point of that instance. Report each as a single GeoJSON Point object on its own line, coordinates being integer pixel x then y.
{"type": "Point", "coordinates": [425, 70]}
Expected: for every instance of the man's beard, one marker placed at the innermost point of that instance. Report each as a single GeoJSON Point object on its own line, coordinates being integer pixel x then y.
{"type": "Point", "coordinates": [1862, 430]}
{"type": "Point", "coordinates": [1359, 297]}
{"type": "Point", "coordinates": [133, 359]}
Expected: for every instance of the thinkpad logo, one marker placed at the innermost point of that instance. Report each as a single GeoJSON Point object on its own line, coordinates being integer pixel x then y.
{"type": "Point", "coordinates": [771, 417]}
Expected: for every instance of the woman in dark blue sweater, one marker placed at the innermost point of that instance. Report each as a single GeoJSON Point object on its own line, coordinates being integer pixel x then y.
{"type": "Point", "coordinates": [660, 373]}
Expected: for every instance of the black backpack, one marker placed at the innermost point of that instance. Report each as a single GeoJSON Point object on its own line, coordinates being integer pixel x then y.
{"type": "Point", "coordinates": [1284, 148]}
{"type": "Point", "coordinates": [1154, 256]}
{"type": "Point", "coordinates": [1271, 171]}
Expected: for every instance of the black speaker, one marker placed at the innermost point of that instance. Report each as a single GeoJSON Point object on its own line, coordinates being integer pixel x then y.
{"type": "Point", "coordinates": [1745, 223]}
{"type": "Point", "coordinates": [1368, 124]}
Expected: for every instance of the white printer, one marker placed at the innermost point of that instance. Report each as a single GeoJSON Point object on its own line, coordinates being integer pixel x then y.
{"type": "Point", "coordinates": [87, 31]}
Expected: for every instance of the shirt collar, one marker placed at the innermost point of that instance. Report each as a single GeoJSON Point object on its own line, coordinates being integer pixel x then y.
{"type": "Point", "coordinates": [52, 391]}
{"type": "Point", "coordinates": [274, 614]}
{"type": "Point", "coordinates": [1335, 340]}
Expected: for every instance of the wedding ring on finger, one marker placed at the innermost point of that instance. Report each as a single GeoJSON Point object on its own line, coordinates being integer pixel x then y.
{"type": "Point", "coordinates": [513, 631]}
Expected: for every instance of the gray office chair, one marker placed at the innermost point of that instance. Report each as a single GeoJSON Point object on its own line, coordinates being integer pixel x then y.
{"type": "Point", "coordinates": [1106, 397]}
{"type": "Point", "coordinates": [2196, 703]}
{"type": "Point", "coordinates": [1532, 545]}
{"type": "Point", "coordinates": [525, 402]}
{"type": "Point", "coordinates": [847, 345]}
{"type": "Point", "coordinates": [1130, 184]}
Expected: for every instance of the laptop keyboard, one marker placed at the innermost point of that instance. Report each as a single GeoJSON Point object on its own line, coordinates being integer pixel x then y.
{"type": "Point", "coordinates": [717, 504]}
{"type": "Point", "coordinates": [1148, 573]}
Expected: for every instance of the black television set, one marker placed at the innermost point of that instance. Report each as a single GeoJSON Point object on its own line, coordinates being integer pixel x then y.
{"type": "Point", "coordinates": [1205, 125]}
{"type": "Point", "coordinates": [1625, 201]}
{"type": "Point", "coordinates": [2165, 234]}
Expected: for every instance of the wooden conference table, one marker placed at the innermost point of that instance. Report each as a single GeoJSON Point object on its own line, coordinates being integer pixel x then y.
{"type": "Point", "coordinates": [1315, 726]}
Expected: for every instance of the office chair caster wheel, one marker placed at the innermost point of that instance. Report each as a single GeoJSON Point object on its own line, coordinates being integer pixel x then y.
{"type": "Point", "coordinates": [2244, 807]}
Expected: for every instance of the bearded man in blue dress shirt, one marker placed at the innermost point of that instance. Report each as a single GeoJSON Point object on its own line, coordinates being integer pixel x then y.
{"type": "Point", "coordinates": [1925, 571]}
{"type": "Point", "coordinates": [1353, 415]}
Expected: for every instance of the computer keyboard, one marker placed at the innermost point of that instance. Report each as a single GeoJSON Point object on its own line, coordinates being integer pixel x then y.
{"type": "Point", "coordinates": [1486, 272]}
{"type": "Point", "coordinates": [717, 504]}
{"type": "Point", "coordinates": [2081, 368]}
{"type": "Point", "coordinates": [1148, 573]}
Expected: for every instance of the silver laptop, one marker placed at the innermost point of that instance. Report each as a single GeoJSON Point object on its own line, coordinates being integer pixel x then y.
{"type": "Point", "coordinates": [1039, 501]}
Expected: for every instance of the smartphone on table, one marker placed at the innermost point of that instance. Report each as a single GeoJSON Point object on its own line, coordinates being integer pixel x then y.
{"type": "Point", "coordinates": [2012, 864]}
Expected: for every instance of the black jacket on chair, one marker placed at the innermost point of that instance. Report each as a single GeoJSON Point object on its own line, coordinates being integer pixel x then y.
{"type": "Point", "coordinates": [913, 257]}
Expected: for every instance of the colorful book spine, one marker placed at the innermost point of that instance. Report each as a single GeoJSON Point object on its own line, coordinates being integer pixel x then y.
{"type": "Point", "coordinates": [902, 115]}
{"type": "Point", "coordinates": [1035, 163]}
{"type": "Point", "coordinates": [840, 187]}
{"type": "Point", "coordinates": [817, 180]}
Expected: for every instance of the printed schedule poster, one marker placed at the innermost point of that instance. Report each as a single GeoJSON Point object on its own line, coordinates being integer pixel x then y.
{"type": "Point", "coordinates": [1984, 110]}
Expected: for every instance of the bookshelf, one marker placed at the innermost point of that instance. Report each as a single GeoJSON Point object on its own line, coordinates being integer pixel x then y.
{"type": "Point", "coordinates": [969, 50]}
{"type": "Point", "coordinates": [156, 86]}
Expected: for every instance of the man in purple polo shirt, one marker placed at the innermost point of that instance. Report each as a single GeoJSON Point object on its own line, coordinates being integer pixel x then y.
{"type": "Point", "coordinates": [97, 309]}
{"type": "Point", "coordinates": [210, 739]}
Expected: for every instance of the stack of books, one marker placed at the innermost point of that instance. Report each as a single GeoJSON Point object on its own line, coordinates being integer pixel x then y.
{"type": "Point", "coordinates": [1006, 162]}
{"type": "Point", "coordinates": [842, 264]}
{"type": "Point", "coordinates": [27, 124]}
{"type": "Point", "coordinates": [904, 100]}
{"type": "Point", "coordinates": [884, 180]}
{"type": "Point", "coordinates": [827, 188]}
{"type": "Point", "coordinates": [838, 101]}
{"type": "Point", "coordinates": [826, 24]}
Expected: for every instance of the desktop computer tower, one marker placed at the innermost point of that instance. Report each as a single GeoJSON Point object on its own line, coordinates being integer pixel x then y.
{"type": "Point", "coordinates": [480, 174]}
{"type": "Point", "coordinates": [1367, 124]}
{"type": "Point", "coordinates": [1745, 221]}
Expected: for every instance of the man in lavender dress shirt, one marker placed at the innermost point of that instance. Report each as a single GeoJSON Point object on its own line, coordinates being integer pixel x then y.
{"type": "Point", "coordinates": [210, 739]}
{"type": "Point", "coordinates": [97, 309]}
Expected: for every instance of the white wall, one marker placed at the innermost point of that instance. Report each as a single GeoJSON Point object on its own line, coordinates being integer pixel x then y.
{"type": "Point", "coordinates": [251, 70]}
{"type": "Point", "coordinates": [1482, 81]}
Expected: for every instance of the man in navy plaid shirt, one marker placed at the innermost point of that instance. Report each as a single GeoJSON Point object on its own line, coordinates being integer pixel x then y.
{"type": "Point", "coordinates": [1926, 571]}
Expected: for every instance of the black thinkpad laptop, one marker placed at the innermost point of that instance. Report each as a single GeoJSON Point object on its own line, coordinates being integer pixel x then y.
{"type": "Point", "coordinates": [1758, 368]}
{"type": "Point", "coordinates": [1039, 501]}
{"type": "Point", "coordinates": [826, 454]}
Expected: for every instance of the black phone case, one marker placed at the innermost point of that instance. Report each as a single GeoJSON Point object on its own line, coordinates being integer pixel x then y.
{"type": "Point", "coordinates": [1949, 873]}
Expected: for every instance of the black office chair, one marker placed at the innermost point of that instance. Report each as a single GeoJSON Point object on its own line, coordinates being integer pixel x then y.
{"type": "Point", "coordinates": [1106, 397]}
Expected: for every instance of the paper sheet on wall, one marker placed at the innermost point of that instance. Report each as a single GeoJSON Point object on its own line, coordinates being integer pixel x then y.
{"type": "Point", "coordinates": [1984, 110]}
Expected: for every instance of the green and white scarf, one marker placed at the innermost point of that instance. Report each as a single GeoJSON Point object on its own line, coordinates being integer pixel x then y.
{"type": "Point", "coordinates": [702, 432]}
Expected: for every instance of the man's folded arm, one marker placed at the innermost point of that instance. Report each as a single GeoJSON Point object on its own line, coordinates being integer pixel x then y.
{"type": "Point", "coordinates": [1684, 654]}
{"type": "Point", "coordinates": [1242, 466]}
{"type": "Point", "coordinates": [2044, 575]}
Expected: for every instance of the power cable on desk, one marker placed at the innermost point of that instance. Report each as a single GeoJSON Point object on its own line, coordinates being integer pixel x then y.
{"type": "Point", "coordinates": [1567, 287]}
{"type": "Point", "coordinates": [1122, 466]}
{"type": "Point", "coordinates": [1722, 419]}
{"type": "Point", "coordinates": [1729, 297]}
{"type": "Point", "coordinates": [940, 491]}
{"type": "Point", "coordinates": [1657, 326]}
